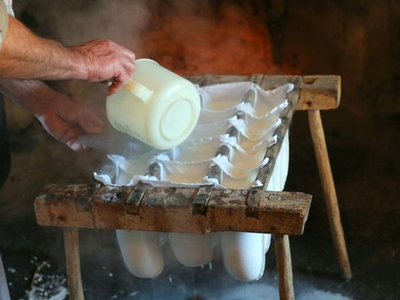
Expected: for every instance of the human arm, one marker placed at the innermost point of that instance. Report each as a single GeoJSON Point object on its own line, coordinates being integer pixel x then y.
{"type": "Point", "coordinates": [61, 117]}
{"type": "Point", "coordinates": [25, 55]}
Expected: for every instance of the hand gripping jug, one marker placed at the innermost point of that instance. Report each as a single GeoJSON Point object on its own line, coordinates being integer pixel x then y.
{"type": "Point", "coordinates": [157, 106]}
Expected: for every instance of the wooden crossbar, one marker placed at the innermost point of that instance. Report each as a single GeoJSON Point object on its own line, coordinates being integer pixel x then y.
{"type": "Point", "coordinates": [193, 210]}
{"type": "Point", "coordinates": [317, 92]}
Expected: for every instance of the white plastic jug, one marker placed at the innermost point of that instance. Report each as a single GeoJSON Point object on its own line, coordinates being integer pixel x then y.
{"type": "Point", "coordinates": [157, 106]}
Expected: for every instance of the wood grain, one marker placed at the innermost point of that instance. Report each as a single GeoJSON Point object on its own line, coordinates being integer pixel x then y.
{"type": "Point", "coordinates": [328, 187]}
{"type": "Point", "coordinates": [71, 241]}
{"type": "Point", "coordinates": [176, 210]}
{"type": "Point", "coordinates": [284, 262]}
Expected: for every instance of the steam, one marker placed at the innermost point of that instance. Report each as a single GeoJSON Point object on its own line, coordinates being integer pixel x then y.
{"type": "Point", "coordinates": [75, 22]}
{"type": "Point", "coordinates": [268, 290]}
{"type": "Point", "coordinates": [186, 36]}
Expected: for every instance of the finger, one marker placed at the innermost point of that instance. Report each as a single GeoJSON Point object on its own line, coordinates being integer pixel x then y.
{"type": "Point", "coordinates": [75, 145]}
{"type": "Point", "coordinates": [129, 67]}
{"type": "Point", "coordinates": [129, 63]}
{"type": "Point", "coordinates": [70, 134]}
{"type": "Point", "coordinates": [97, 121]}
{"type": "Point", "coordinates": [68, 111]}
{"type": "Point", "coordinates": [76, 114]}
{"type": "Point", "coordinates": [114, 87]}
{"type": "Point", "coordinates": [128, 53]}
{"type": "Point", "coordinates": [62, 130]}
{"type": "Point", "coordinates": [118, 83]}
{"type": "Point", "coordinates": [89, 122]}
{"type": "Point", "coordinates": [106, 82]}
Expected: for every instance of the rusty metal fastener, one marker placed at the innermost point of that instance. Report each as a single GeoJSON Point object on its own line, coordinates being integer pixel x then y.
{"type": "Point", "coordinates": [274, 197]}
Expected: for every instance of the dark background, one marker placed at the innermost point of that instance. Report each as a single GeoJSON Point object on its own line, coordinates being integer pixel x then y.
{"type": "Point", "coordinates": [358, 40]}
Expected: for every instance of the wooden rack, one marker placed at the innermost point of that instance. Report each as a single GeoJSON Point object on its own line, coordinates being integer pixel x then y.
{"type": "Point", "coordinates": [203, 209]}
{"type": "Point", "coordinates": [195, 210]}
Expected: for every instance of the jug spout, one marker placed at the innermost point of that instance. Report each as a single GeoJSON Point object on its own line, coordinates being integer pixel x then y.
{"type": "Point", "coordinates": [138, 89]}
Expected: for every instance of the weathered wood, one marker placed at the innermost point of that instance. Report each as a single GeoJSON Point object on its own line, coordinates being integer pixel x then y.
{"type": "Point", "coordinates": [72, 201]}
{"type": "Point", "coordinates": [172, 210]}
{"type": "Point", "coordinates": [317, 92]}
{"type": "Point", "coordinates": [4, 293]}
{"type": "Point", "coordinates": [201, 199]}
{"type": "Point", "coordinates": [328, 187]}
{"type": "Point", "coordinates": [253, 200]}
{"type": "Point", "coordinates": [320, 92]}
{"type": "Point", "coordinates": [284, 262]}
{"type": "Point", "coordinates": [228, 212]}
{"type": "Point", "coordinates": [135, 198]}
{"type": "Point", "coordinates": [71, 241]}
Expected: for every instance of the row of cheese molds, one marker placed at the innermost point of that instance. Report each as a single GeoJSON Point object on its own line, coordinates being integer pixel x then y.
{"type": "Point", "coordinates": [235, 129]}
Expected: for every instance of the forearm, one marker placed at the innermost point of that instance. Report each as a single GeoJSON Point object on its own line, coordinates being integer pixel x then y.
{"type": "Point", "coordinates": [27, 56]}
{"type": "Point", "coordinates": [32, 95]}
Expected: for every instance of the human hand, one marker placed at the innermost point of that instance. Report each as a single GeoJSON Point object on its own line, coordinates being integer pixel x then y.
{"type": "Point", "coordinates": [62, 118]}
{"type": "Point", "coordinates": [66, 121]}
{"type": "Point", "coordinates": [105, 60]}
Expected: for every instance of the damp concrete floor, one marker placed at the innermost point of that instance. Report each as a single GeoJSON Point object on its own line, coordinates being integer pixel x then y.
{"type": "Point", "coordinates": [366, 174]}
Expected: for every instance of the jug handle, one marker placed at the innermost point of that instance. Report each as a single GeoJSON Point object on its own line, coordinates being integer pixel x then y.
{"type": "Point", "coordinates": [138, 89]}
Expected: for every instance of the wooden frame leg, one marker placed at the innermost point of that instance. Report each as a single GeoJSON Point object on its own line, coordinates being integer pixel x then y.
{"type": "Point", "coordinates": [71, 241]}
{"type": "Point", "coordinates": [284, 261]}
{"type": "Point", "coordinates": [328, 187]}
{"type": "Point", "coordinates": [4, 293]}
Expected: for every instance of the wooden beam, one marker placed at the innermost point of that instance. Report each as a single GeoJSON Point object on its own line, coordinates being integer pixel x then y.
{"type": "Point", "coordinates": [329, 190]}
{"type": "Point", "coordinates": [71, 241]}
{"type": "Point", "coordinates": [317, 92]}
{"type": "Point", "coordinates": [191, 210]}
{"type": "Point", "coordinates": [284, 262]}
